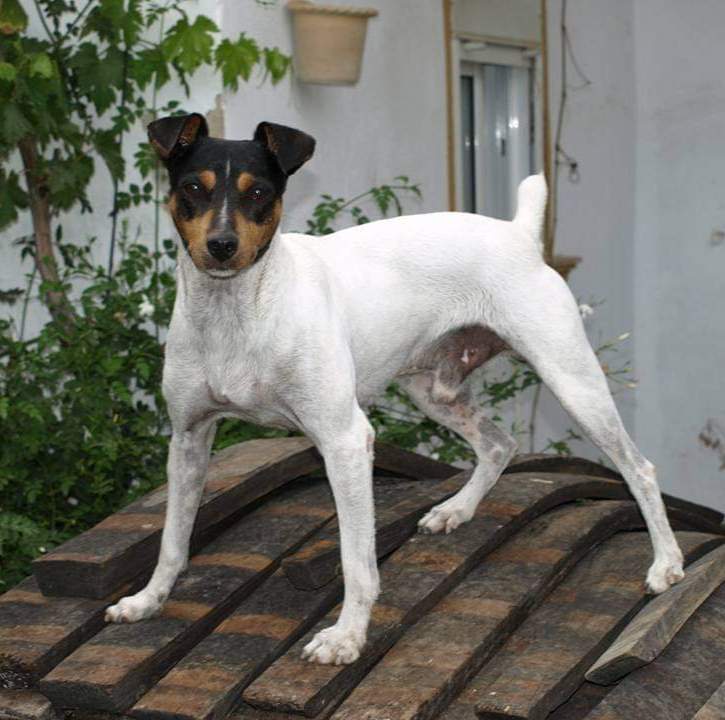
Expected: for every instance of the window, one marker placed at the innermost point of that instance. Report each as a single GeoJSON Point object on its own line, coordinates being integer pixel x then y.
{"type": "Point", "coordinates": [497, 127]}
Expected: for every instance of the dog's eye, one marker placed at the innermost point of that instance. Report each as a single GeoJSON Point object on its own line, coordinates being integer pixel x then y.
{"type": "Point", "coordinates": [193, 189]}
{"type": "Point", "coordinates": [258, 194]}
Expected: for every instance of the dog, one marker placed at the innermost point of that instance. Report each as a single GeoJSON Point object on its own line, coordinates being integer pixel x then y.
{"type": "Point", "coordinates": [303, 332]}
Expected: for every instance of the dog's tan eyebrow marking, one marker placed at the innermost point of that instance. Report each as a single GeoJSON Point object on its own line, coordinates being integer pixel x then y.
{"type": "Point", "coordinates": [245, 181]}
{"type": "Point", "coordinates": [208, 179]}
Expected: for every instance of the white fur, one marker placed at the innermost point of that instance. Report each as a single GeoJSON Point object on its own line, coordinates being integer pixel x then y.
{"type": "Point", "coordinates": [318, 327]}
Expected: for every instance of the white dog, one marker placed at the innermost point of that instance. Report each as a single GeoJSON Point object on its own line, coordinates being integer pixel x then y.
{"type": "Point", "coordinates": [303, 332]}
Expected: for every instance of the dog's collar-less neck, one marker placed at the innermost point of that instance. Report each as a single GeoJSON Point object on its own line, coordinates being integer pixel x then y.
{"type": "Point", "coordinates": [201, 294]}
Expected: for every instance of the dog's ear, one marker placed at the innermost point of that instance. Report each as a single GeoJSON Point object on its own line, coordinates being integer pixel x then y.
{"type": "Point", "coordinates": [170, 136]}
{"type": "Point", "coordinates": [292, 148]}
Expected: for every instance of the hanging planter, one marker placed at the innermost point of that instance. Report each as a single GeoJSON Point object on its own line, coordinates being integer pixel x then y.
{"type": "Point", "coordinates": [328, 42]}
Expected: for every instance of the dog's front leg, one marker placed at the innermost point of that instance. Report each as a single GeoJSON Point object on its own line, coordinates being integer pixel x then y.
{"type": "Point", "coordinates": [349, 461]}
{"type": "Point", "coordinates": [187, 464]}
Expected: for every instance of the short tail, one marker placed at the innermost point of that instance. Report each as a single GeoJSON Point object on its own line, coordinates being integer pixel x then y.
{"type": "Point", "coordinates": [532, 208]}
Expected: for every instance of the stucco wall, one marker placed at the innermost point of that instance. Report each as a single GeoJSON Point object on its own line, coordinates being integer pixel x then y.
{"type": "Point", "coordinates": [679, 287]}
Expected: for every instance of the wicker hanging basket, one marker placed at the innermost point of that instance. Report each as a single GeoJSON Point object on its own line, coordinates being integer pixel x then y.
{"type": "Point", "coordinates": [328, 41]}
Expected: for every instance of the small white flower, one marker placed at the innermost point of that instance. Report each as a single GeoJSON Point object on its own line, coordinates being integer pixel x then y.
{"type": "Point", "coordinates": [73, 501]}
{"type": "Point", "coordinates": [435, 456]}
{"type": "Point", "coordinates": [41, 549]}
{"type": "Point", "coordinates": [135, 483]}
{"type": "Point", "coordinates": [146, 308]}
{"type": "Point", "coordinates": [585, 311]}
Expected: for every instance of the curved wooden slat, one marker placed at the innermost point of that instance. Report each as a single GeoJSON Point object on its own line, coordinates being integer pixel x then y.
{"type": "Point", "coordinates": [117, 665]}
{"type": "Point", "coordinates": [414, 578]}
{"type": "Point", "coordinates": [658, 622]}
{"type": "Point", "coordinates": [714, 708]}
{"type": "Point", "coordinates": [700, 517]}
{"type": "Point", "coordinates": [318, 563]}
{"type": "Point", "coordinates": [682, 680]}
{"type": "Point", "coordinates": [37, 632]}
{"type": "Point", "coordinates": [544, 661]}
{"type": "Point", "coordinates": [549, 462]}
{"type": "Point", "coordinates": [209, 681]}
{"type": "Point", "coordinates": [25, 705]}
{"type": "Point", "coordinates": [431, 663]}
{"type": "Point", "coordinates": [98, 562]}
{"type": "Point", "coordinates": [392, 459]}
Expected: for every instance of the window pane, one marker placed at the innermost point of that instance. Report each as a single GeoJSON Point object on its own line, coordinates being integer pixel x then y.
{"type": "Point", "coordinates": [468, 149]}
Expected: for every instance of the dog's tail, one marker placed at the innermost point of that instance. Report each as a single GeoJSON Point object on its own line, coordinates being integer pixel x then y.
{"type": "Point", "coordinates": [532, 207]}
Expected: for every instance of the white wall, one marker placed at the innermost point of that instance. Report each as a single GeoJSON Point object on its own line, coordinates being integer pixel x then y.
{"type": "Point", "coordinates": [648, 135]}
{"type": "Point", "coordinates": [680, 274]}
{"type": "Point", "coordinates": [596, 213]}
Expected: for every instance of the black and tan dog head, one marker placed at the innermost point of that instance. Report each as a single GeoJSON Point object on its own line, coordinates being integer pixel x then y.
{"type": "Point", "coordinates": [226, 196]}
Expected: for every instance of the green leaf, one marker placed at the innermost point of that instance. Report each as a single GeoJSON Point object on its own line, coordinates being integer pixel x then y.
{"type": "Point", "coordinates": [7, 72]}
{"type": "Point", "coordinates": [41, 65]}
{"type": "Point", "coordinates": [107, 146]}
{"type": "Point", "coordinates": [12, 17]}
{"type": "Point", "coordinates": [276, 63]}
{"type": "Point", "coordinates": [190, 46]}
{"type": "Point", "coordinates": [13, 123]}
{"type": "Point", "coordinates": [236, 59]}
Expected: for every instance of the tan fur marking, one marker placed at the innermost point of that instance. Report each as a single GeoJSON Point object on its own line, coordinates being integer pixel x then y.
{"type": "Point", "coordinates": [245, 181]}
{"type": "Point", "coordinates": [194, 232]}
{"type": "Point", "coordinates": [253, 237]}
{"type": "Point", "coordinates": [208, 179]}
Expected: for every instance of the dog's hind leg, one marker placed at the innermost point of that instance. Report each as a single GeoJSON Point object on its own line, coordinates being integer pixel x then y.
{"type": "Point", "coordinates": [541, 322]}
{"type": "Point", "coordinates": [454, 408]}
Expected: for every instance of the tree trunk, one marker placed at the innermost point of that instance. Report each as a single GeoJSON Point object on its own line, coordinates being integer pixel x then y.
{"type": "Point", "coordinates": [55, 299]}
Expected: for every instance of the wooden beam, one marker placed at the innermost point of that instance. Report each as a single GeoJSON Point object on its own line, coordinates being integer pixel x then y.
{"type": "Point", "coordinates": [659, 621]}
{"type": "Point", "coordinates": [413, 579]}
{"type": "Point", "coordinates": [318, 562]}
{"type": "Point", "coordinates": [714, 708]}
{"type": "Point", "coordinates": [434, 659]}
{"type": "Point", "coordinates": [682, 680]}
{"type": "Point", "coordinates": [37, 632]}
{"type": "Point", "coordinates": [25, 705]}
{"type": "Point", "coordinates": [112, 670]}
{"type": "Point", "coordinates": [570, 629]}
{"type": "Point", "coordinates": [98, 562]}
{"type": "Point", "coordinates": [208, 682]}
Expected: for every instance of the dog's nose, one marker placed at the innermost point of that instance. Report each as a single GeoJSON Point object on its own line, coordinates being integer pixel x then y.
{"type": "Point", "coordinates": [223, 247]}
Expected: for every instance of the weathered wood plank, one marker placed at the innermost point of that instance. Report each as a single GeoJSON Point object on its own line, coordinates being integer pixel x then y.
{"type": "Point", "coordinates": [714, 708]}
{"type": "Point", "coordinates": [209, 681]}
{"type": "Point", "coordinates": [659, 621]}
{"type": "Point", "coordinates": [701, 517]}
{"type": "Point", "coordinates": [544, 661]}
{"type": "Point", "coordinates": [121, 662]}
{"type": "Point", "coordinates": [318, 562]}
{"type": "Point", "coordinates": [414, 578]}
{"type": "Point", "coordinates": [37, 632]}
{"type": "Point", "coordinates": [432, 661]}
{"type": "Point", "coordinates": [25, 705]}
{"type": "Point", "coordinates": [392, 459]}
{"type": "Point", "coordinates": [581, 703]}
{"type": "Point", "coordinates": [549, 462]}
{"type": "Point", "coordinates": [97, 562]}
{"type": "Point", "coordinates": [682, 679]}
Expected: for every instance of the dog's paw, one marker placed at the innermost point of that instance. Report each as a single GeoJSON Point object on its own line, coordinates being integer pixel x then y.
{"type": "Point", "coordinates": [333, 646]}
{"type": "Point", "coordinates": [133, 608]}
{"type": "Point", "coordinates": [446, 517]}
{"type": "Point", "coordinates": [663, 574]}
